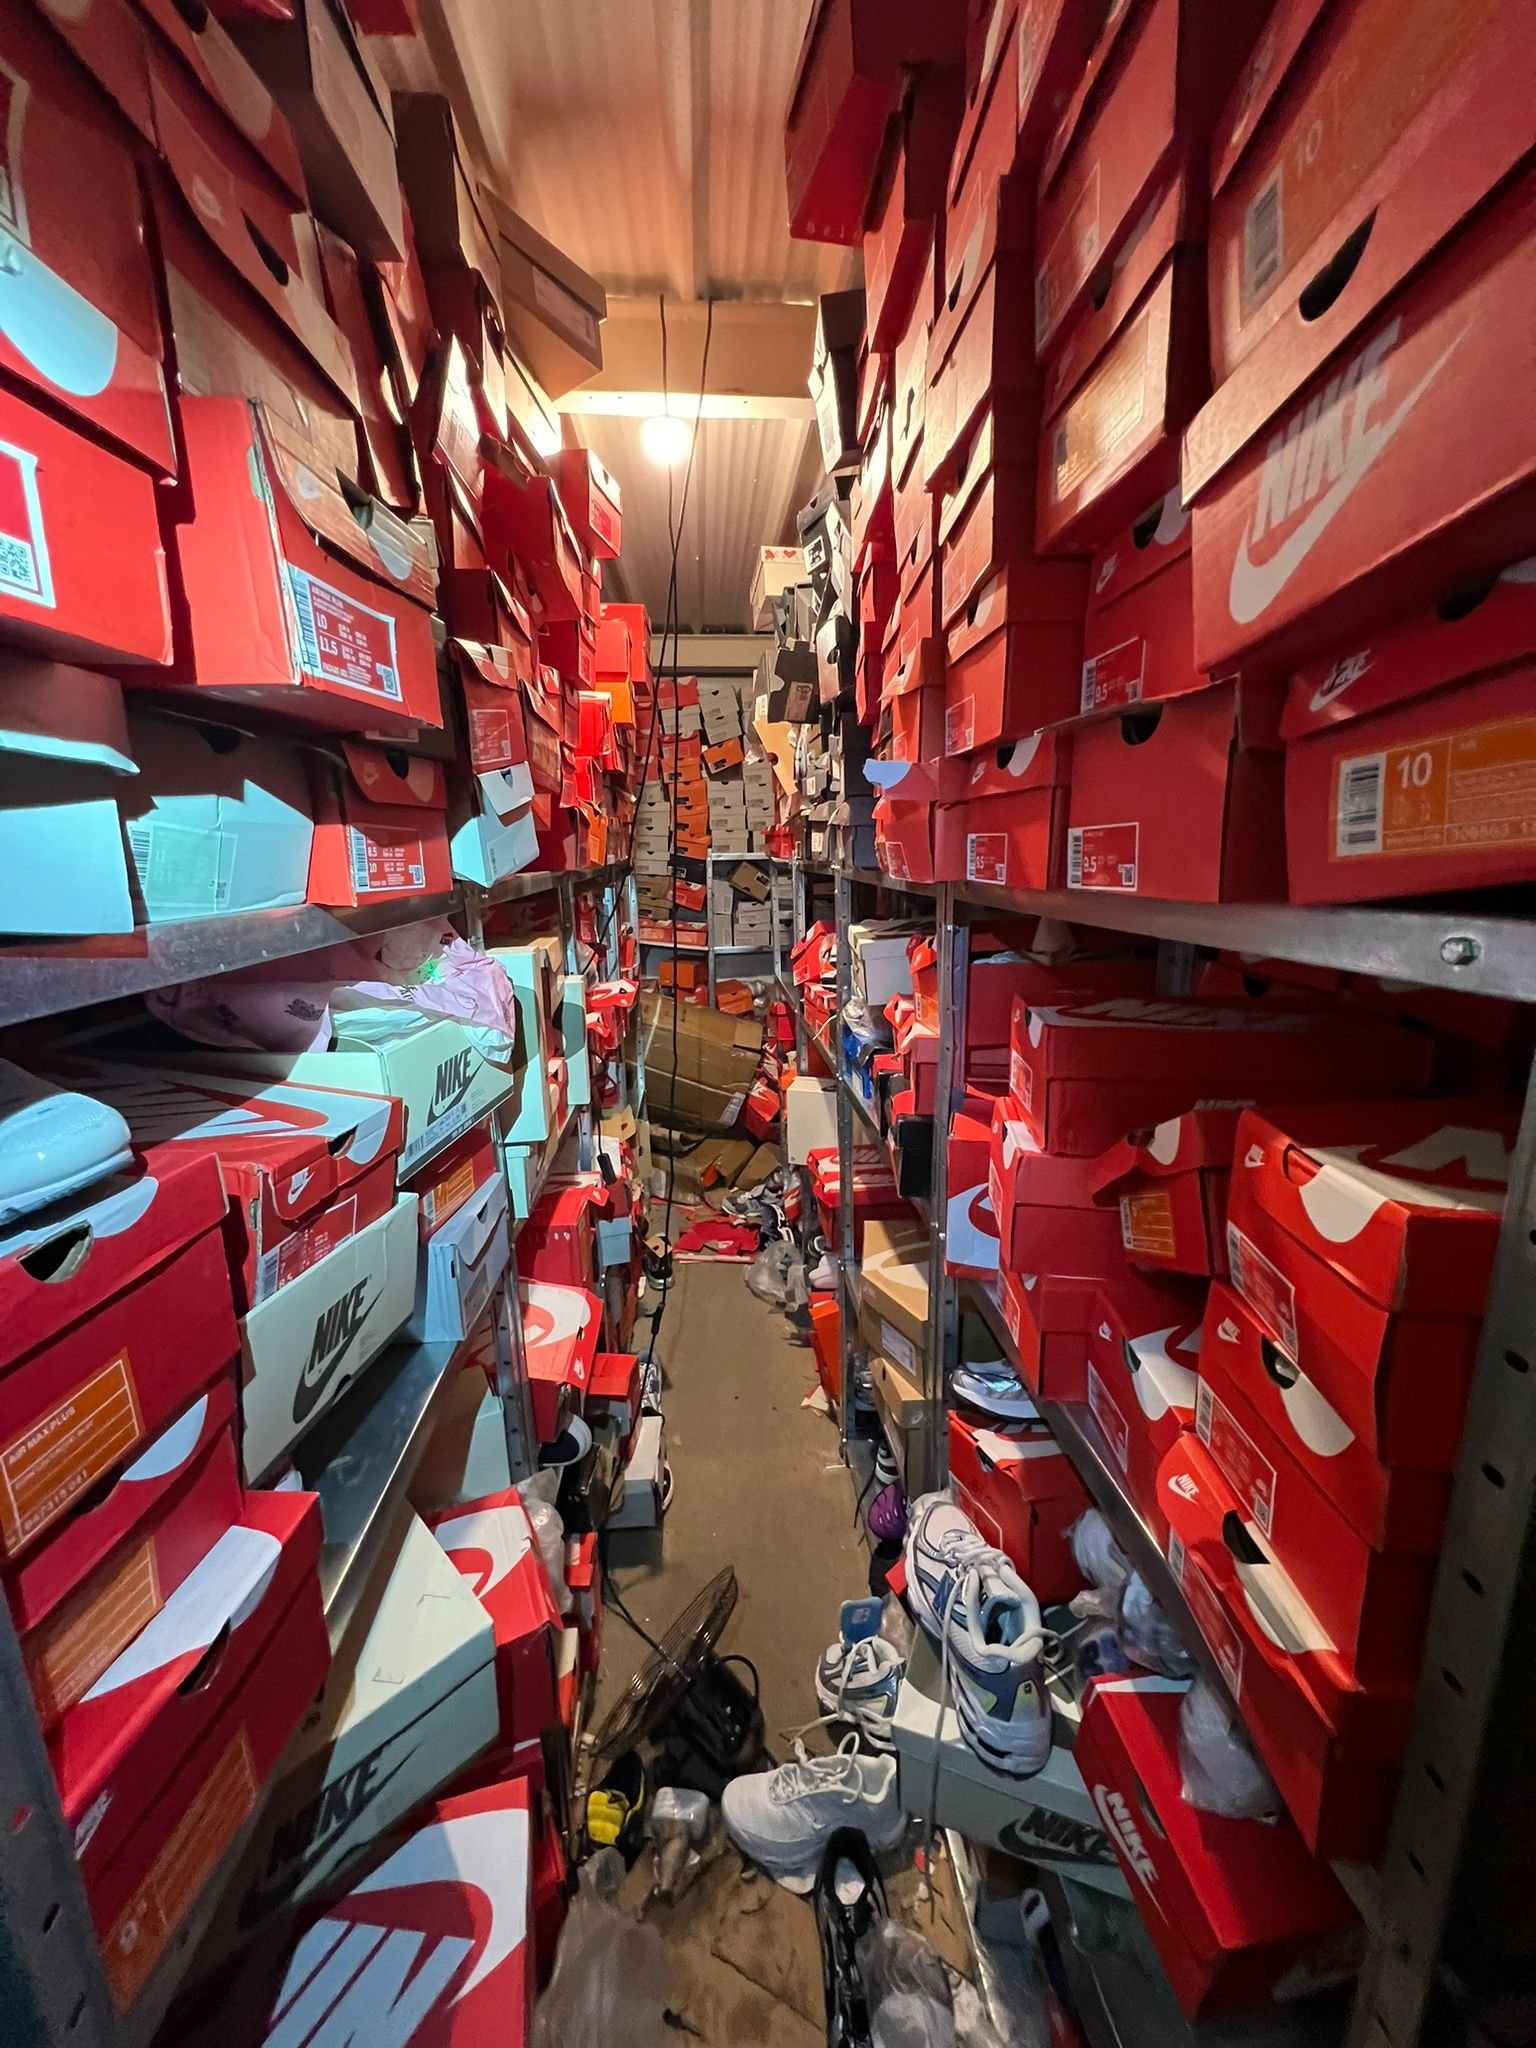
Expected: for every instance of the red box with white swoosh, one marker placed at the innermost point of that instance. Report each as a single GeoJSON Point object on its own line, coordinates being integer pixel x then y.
{"type": "Point", "coordinates": [1137, 640]}
{"type": "Point", "coordinates": [1019, 1487]}
{"type": "Point", "coordinates": [491, 1543]}
{"type": "Point", "coordinates": [1047, 1221]}
{"type": "Point", "coordinates": [1143, 1358]}
{"type": "Point", "coordinates": [1242, 1915]}
{"type": "Point", "coordinates": [1169, 1184]}
{"type": "Point", "coordinates": [970, 1245]}
{"type": "Point", "coordinates": [1331, 1744]}
{"type": "Point", "coordinates": [1366, 1258]}
{"type": "Point", "coordinates": [561, 1328]}
{"type": "Point", "coordinates": [1388, 474]}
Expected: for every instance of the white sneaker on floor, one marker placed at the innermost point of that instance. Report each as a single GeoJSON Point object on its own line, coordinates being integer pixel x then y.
{"type": "Point", "coordinates": [783, 1819]}
{"type": "Point", "coordinates": [53, 1142]}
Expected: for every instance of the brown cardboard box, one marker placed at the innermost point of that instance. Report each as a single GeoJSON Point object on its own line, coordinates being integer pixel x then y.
{"type": "Point", "coordinates": [893, 1273]}
{"type": "Point", "coordinates": [716, 1059]}
{"type": "Point", "coordinates": [899, 1395]}
{"type": "Point", "coordinates": [553, 310]}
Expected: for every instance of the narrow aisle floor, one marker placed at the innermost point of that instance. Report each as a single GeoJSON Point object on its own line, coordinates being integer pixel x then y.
{"type": "Point", "coordinates": [758, 1485]}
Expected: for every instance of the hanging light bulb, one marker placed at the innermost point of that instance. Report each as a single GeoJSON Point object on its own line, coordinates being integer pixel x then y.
{"type": "Point", "coordinates": [664, 437]}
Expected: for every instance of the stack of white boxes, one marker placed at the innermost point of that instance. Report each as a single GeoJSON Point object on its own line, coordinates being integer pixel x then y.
{"type": "Point", "coordinates": [754, 918]}
{"type": "Point", "coordinates": [653, 831]}
{"type": "Point", "coordinates": [757, 785]}
{"type": "Point", "coordinates": [727, 814]}
{"type": "Point", "coordinates": [719, 710]}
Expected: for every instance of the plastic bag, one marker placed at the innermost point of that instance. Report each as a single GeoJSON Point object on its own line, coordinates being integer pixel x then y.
{"type": "Point", "coordinates": [1147, 1635]}
{"type": "Point", "coordinates": [1102, 1563]}
{"type": "Point", "coordinates": [1221, 1773]}
{"type": "Point", "coordinates": [536, 1493]}
{"type": "Point", "coordinates": [609, 1987]}
{"type": "Point", "coordinates": [777, 1274]}
{"type": "Point", "coordinates": [909, 1997]}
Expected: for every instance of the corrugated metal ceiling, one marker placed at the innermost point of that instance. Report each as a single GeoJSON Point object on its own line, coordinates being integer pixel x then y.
{"type": "Point", "coordinates": [645, 138]}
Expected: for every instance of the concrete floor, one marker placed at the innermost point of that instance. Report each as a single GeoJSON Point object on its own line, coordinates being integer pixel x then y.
{"type": "Point", "coordinates": [758, 1485]}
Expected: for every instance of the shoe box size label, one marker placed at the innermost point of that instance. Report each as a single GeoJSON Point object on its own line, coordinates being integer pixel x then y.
{"type": "Point", "coordinates": [66, 1451]}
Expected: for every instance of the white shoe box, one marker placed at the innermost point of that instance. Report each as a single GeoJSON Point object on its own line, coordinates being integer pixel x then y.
{"type": "Point", "coordinates": [399, 1717]}
{"type": "Point", "coordinates": [459, 1265]}
{"type": "Point", "coordinates": [1049, 1818]}
{"type": "Point", "coordinates": [306, 1344]}
{"type": "Point", "coordinates": [639, 1505]}
{"type": "Point", "coordinates": [467, 1457]}
{"type": "Point", "coordinates": [810, 1117]}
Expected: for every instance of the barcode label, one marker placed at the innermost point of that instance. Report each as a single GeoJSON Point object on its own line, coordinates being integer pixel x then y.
{"type": "Point", "coordinates": [1357, 817]}
{"type": "Point", "coordinates": [266, 1275]}
{"type": "Point", "coordinates": [1263, 241]}
{"type": "Point", "coordinates": [1074, 860]}
{"type": "Point", "coordinates": [358, 849]}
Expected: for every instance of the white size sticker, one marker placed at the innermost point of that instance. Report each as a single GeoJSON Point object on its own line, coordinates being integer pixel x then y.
{"type": "Point", "coordinates": [340, 640]}
{"type": "Point", "coordinates": [181, 868]}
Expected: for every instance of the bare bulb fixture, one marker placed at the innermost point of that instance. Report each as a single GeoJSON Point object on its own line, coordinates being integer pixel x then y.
{"type": "Point", "coordinates": [665, 438]}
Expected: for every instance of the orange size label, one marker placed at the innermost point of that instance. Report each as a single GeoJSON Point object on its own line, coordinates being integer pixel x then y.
{"type": "Point", "coordinates": [67, 1450]}
{"type": "Point", "coordinates": [1458, 792]}
{"type": "Point", "coordinates": [1146, 1223]}
{"type": "Point", "coordinates": [1106, 413]}
{"type": "Point", "coordinates": [179, 1873]}
{"type": "Point", "coordinates": [67, 1655]}
{"type": "Point", "coordinates": [451, 1192]}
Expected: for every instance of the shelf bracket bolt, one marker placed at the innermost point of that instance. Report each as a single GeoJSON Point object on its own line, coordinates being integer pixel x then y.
{"type": "Point", "coordinates": [1461, 950]}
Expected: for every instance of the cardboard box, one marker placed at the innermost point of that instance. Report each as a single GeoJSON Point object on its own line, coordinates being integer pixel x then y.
{"type": "Point", "coordinates": [65, 759]}
{"type": "Point", "coordinates": [716, 1059]}
{"type": "Point", "coordinates": [554, 311]}
{"type": "Point", "coordinates": [491, 1544]}
{"type": "Point", "coordinates": [1047, 1818]}
{"type": "Point", "coordinates": [453, 1178]}
{"type": "Point", "coordinates": [458, 1266]}
{"type": "Point", "coordinates": [1019, 1488]}
{"type": "Point", "coordinates": [1046, 1218]}
{"type": "Point", "coordinates": [1169, 1185]}
{"type": "Point", "coordinates": [307, 1343]}
{"type": "Point", "coordinates": [1330, 1746]}
{"type": "Point", "coordinates": [644, 1480]}
{"type": "Point", "coordinates": [1085, 1072]}
{"type": "Point", "coordinates": [1138, 637]}
{"type": "Point", "coordinates": [102, 1350]}
{"type": "Point", "coordinates": [893, 1273]}
{"type": "Point", "coordinates": [1241, 1915]}
{"type": "Point", "coordinates": [1368, 1267]}
{"type": "Point", "coordinates": [1007, 827]}
{"type": "Point", "coordinates": [381, 832]}
{"type": "Point", "coordinates": [1144, 1345]}
{"type": "Point", "coordinates": [561, 1328]}
{"type": "Point", "coordinates": [330, 619]}
{"type": "Point", "coordinates": [899, 226]}
{"type": "Point", "coordinates": [1437, 493]}
{"type": "Point", "coordinates": [1182, 800]}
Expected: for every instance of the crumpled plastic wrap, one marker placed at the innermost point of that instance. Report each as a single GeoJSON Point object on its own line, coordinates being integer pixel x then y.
{"type": "Point", "coordinates": [1221, 1773]}
{"type": "Point", "coordinates": [609, 1985]}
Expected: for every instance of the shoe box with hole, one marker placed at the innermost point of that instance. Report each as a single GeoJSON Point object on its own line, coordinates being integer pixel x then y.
{"type": "Point", "coordinates": [452, 1179]}
{"type": "Point", "coordinates": [1084, 1071]}
{"type": "Point", "coordinates": [1386, 476]}
{"type": "Point", "coordinates": [1138, 644]}
{"type": "Point", "coordinates": [1047, 1316]}
{"type": "Point", "coordinates": [909, 384]}
{"type": "Point", "coordinates": [381, 828]}
{"type": "Point", "coordinates": [592, 500]}
{"type": "Point", "coordinates": [117, 1315]}
{"type": "Point", "coordinates": [1242, 1915]}
{"type": "Point", "coordinates": [1182, 799]}
{"type": "Point", "coordinates": [491, 1543]}
{"type": "Point", "coordinates": [904, 839]}
{"type": "Point", "coordinates": [848, 82]}
{"type": "Point", "coordinates": [1044, 1207]}
{"type": "Point", "coordinates": [329, 619]}
{"type": "Point", "coordinates": [386, 460]}
{"type": "Point", "coordinates": [307, 1343]}
{"type": "Point", "coordinates": [119, 1748]}
{"type": "Point", "coordinates": [1007, 829]}
{"type": "Point", "coordinates": [459, 1264]}
{"type": "Point", "coordinates": [1366, 1258]}
{"type": "Point", "coordinates": [974, 367]}
{"type": "Point", "coordinates": [1358, 141]}
{"type": "Point", "coordinates": [1168, 1185]}
{"type": "Point", "coordinates": [1331, 1745]}
{"type": "Point", "coordinates": [561, 1327]}
{"type": "Point", "coordinates": [79, 1597]}
{"type": "Point", "coordinates": [1143, 1356]}
{"type": "Point", "coordinates": [907, 200]}
{"type": "Point", "coordinates": [1019, 1487]}
{"type": "Point", "coordinates": [303, 1168]}
{"type": "Point", "coordinates": [525, 519]}
{"type": "Point", "coordinates": [1411, 755]}
{"type": "Point", "coordinates": [1140, 117]}
{"type": "Point", "coordinates": [1372, 1599]}
{"type": "Point", "coordinates": [970, 1242]}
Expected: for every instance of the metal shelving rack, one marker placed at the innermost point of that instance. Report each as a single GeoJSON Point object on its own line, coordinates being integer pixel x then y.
{"type": "Point", "coordinates": [1450, 1907]}
{"type": "Point", "coordinates": [360, 1457]}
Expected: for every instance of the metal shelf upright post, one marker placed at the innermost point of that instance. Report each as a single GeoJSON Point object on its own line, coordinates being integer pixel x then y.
{"type": "Point", "coordinates": [943, 1348]}
{"type": "Point", "coordinates": [849, 1294]}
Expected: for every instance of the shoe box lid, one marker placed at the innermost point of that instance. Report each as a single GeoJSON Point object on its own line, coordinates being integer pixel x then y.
{"type": "Point", "coordinates": [561, 1326]}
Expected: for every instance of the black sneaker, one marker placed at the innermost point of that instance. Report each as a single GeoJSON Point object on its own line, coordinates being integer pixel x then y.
{"type": "Point", "coordinates": [840, 1926]}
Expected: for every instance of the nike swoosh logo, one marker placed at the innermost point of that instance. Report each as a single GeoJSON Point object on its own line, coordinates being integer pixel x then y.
{"type": "Point", "coordinates": [441, 1107]}
{"type": "Point", "coordinates": [1253, 587]}
{"type": "Point", "coordinates": [307, 1393]}
{"type": "Point", "coordinates": [262, 1899]}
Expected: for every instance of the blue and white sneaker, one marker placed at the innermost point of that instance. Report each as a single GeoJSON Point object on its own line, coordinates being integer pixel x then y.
{"type": "Point", "coordinates": [857, 1683]}
{"type": "Point", "coordinates": [994, 1390]}
{"type": "Point", "coordinates": [985, 1622]}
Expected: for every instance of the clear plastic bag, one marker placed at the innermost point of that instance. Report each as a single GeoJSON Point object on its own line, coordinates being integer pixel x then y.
{"type": "Point", "coordinates": [1147, 1635]}
{"type": "Point", "coordinates": [537, 1496]}
{"type": "Point", "coordinates": [609, 1988]}
{"type": "Point", "coordinates": [1221, 1773]}
{"type": "Point", "coordinates": [909, 1997]}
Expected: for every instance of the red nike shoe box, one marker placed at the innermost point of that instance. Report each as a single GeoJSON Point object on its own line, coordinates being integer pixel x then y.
{"type": "Point", "coordinates": [997, 972]}
{"type": "Point", "coordinates": [1359, 138]}
{"type": "Point", "coordinates": [848, 83]}
{"type": "Point", "coordinates": [1138, 637]}
{"type": "Point", "coordinates": [909, 386]}
{"type": "Point", "coordinates": [329, 619]}
{"type": "Point", "coordinates": [975, 362]}
{"type": "Point", "coordinates": [1169, 1185]}
{"type": "Point", "coordinates": [1253, 1391]}
{"type": "Point", "coordinates": [83, 325]}
{"type": "Point", "coordinates": [303, 1167]}
{"type": "Point", "coordinates": [1143, 1360]}
{"type": "Point", "coordinates": [1046, 1219]}
{"type": "Point", "coordinates": [556, 1241]}
{"type": "Point", "coordinates": [1008, 827]}
{"type": "Point", "coordinates": [986, 525]}
{"type": "Point", "coordinates": [1123, 385]}
{"type": "Point", "coordinates": [1047, 1315]}
{"type": "Point", "coordinates": [905, 205]}
{"type": "Point", "coordinates": [561, 1326]}
{"type": "Point", "coordinates": [118, 1749]}
{"type": "Point", "coordinates": [63, 591]}
{"type": "Point", "coordinates": [1085, 1072]}
{"type": "Point", "coordinates": [113, 1319]}
{"type": "Point", "coordinates": [917, 724]}
{"type": "Point", "coordinates": [491, 1542]}
{"type": "Point", "coordinates": [1142, 111]}
{"type": "Point", "coordinates": [1367, 1259]}
{"type": "Point", "coordinates": [615, 1387]}
{"type": "Point", "coordinates": [386, 461]}
{"type": "Point", "coordinates": [584, 1578]}
{"type": "Point", "coordinates": [1372, 1602]}
{"type": "Point", "coordinates": [990, 200]}
{"type": "Point", "coordinates": [916, 519]}
{"type": "Point", "coordinates": [1387, 477]}
{"type": "Point", "coordinates": [1183, 800]}
{"type": "Point", "coordinates": [1433, 795]}
{"type": "Point", "coordinates": [1242, 1915]}
{"type": "Point", "coordinates": [592, 499]}
{"type": "Point", "coordinates": [381, 828]}
{"type": "Point", "coordinates": [904, 839]}
{"type": "Point", "coordinates": [84, 1593]}
{"type": "Point", "coordinates": [1330, 1745]}
{"type": "Point", "coordinates": [1018, 1486]}
{"type": "Point", "coordinates": [457, 1894]}
{"type": "Point", "coordinates": [970, 1241]}
{"type": "Point", "coordinates": [454, 1178]}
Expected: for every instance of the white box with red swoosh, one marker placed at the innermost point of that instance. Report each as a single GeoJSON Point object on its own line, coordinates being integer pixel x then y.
{"type": "Point", "coordinates": [491, 1542]}
{"type": "Point", "coordinates": [305, 1345]}
{"type": "Point", "coordinates": [561, 1327]}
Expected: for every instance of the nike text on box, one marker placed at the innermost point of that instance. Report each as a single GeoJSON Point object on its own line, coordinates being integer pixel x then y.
{"type": "Point", "coordinates": [1383, 478]}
